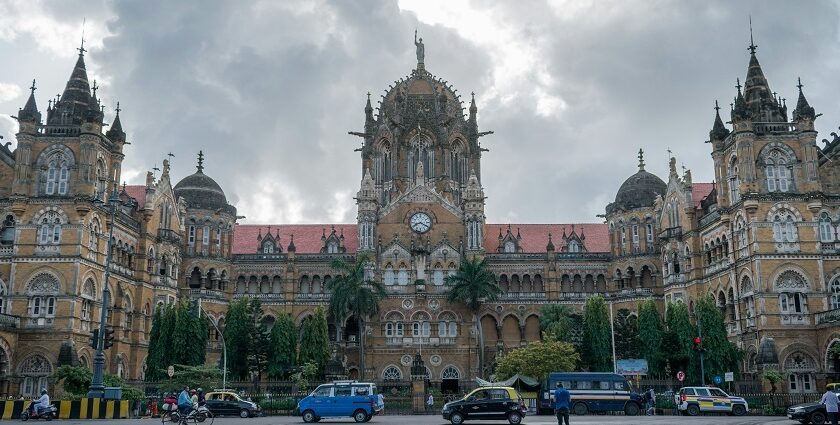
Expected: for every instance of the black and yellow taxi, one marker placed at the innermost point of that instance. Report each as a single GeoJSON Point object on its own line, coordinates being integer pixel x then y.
{"type": "Point", "coordinates": [229, 403]}
{"type": "Point", "coordinates": [695, 400]}
{"type": "Point", "coordinates": [487, 403]}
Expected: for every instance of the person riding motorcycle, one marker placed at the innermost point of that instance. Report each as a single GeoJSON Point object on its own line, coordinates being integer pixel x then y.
{"type": "Point", "coordinates": [185, 402]}
{"type": "Point", "coordinates": [41, 403]}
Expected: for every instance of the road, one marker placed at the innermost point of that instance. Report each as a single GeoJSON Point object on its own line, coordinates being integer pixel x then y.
{"type": "Point", "coordinates": [436, 420]}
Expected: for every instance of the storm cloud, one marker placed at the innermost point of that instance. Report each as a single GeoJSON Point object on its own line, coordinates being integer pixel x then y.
{"type": "Point", "coordinates": [269, 89]}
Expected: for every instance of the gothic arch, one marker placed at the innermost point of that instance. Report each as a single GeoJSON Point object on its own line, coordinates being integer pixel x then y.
{"type": "Point", "coordinates": [43, 282]}
{"type": "Point", "coordinates": [807, 351]}
{"type": "Point", "coordinates": [790, 276]}
{"type": "Point", "coordinates": [782, 207]}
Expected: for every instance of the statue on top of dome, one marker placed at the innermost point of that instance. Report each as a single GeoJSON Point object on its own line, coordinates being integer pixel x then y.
{"type": "Point", "coordinates": [421, 50]}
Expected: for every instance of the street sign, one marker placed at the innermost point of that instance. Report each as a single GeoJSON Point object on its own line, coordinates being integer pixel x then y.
{"type": "Point", "coordinates": [170, 371]}
{"type": "Point", "coordinates": [680, 376]}
{"type": "Point", "coordinates": [718, 380]}
{"type": "Point", "coordinates": [729, 377]}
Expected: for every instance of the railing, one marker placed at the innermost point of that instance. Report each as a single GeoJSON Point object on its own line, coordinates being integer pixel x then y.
{"type": "Point", "coordinates": [167, 235]}
{"type": "Point", "coordinates": [794, 318]}
{"type": "Point", "coordinates": [828, 316]}
{"type": "Point", "coordinates": [522, 296]}
{"type": "Point", "coordinates": [9, 321]}
{"type": "Point", "coordinates": [39, 322]}
{"type": "Point", "coordinates": [207, 293]}
{"type": "Point", "coordinates": [671, 233]}
{"type": "Point", "coordinates": [774, 127]}
{"type": "Point", "coordinates": [60, 130]}
{"type": "Point", "coordinates": [825, 247]}
{"type": "Point", "coordinates": [264, 297]}
{"type": "Point", "coordinates": [313, 297]}
{"type": "Point", "coordinates": [634, 292]}
{"type": "Point", "coordinates": [6, 250]}
{"type": "Point", "coordinates": [575, 295]}
{"type": "Point", "coordinates": [674, 278]}
{"type": "Point", "coordinates": [708, 218]}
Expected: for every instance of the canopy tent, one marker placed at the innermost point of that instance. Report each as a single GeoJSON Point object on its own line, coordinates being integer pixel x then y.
{"type": "Point", "coordinates": [516, 381]}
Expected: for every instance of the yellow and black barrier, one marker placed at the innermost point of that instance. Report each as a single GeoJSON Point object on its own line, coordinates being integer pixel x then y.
{"type": "Point", "coordinates": [86, 408]}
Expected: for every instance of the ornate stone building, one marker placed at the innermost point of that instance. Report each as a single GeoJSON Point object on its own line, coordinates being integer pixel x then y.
{"type": "Point", "coordinates": [763, 240]}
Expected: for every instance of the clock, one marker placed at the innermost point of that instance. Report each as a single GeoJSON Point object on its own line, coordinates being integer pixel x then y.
{"type": "Point", "coordinates": [420, 222]}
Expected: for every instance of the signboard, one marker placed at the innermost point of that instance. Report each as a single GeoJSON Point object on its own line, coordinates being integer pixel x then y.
{"type": "Point", "coordinates": [680, 376]}
{"type": "Point", "coordinates": [632, 367]}
{"type": "Point", "coordinates": [170, 371]}
{"type": "Point", "coordinates": [718, 380]}
{"type": "Point", "coordinates": [729, 376]}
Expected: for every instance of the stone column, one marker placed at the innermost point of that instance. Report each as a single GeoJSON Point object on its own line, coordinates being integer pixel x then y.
{"type": "Point", "coordinates": [418, 385]}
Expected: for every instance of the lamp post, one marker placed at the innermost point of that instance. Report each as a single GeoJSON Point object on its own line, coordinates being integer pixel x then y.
{"type": "Point", "coordinates": [224, 345]}
{"type": "Point", "coordinates": [97, 386]}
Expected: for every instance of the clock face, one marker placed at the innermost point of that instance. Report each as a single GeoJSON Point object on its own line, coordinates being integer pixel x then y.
{"type": "Point", "coordinates": [420, 222]}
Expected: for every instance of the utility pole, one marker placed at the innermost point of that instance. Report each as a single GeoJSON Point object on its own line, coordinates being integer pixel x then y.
{"type": "Point", "coordinates": [702, 350]}
{"type": "Point", "coordinates": [612, 336]}
{"type": "Point", "coordinates": [97, 385]}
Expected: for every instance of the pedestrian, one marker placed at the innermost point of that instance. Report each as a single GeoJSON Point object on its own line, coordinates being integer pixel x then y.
{"type": "Point", "coordinates": [562, 399]}
{"type": "Point", "coordinates": [829, 399]}
{"type": "Point", "coordinates": [430, 402]}
{"type": "Point", "coordinates": [380, 400]}
{"type": "Point", "coordinates": [650, 397]}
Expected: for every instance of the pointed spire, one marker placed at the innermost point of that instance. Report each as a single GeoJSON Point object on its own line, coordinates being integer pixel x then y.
{"type": "Point", "coordinates": [719, 131]}
{"type": "Point", "coordinates": [370, 124]}
{"type": "Point", "coordinates": [30, 110]}
{"type": "Point", "coordinates": [757, 94]}
{"type": "Point", "coordinates": [550, 245]}
{"type": "Point", "coordinates": [473, 108]}
{"type": "Point", "coordinates": [641, 160]}
{"type": "Point", "coordinates": [116, 133]}
{"type": "Point", "coordinates": [291, 247]}
{"type": "Point", "coordinates": [76, 101]}
{"type": "Point", "coordinates": [200, 166]}
{"type": "Point", "coordinates": [803, 109]}
{"type": "Point", "coordinates": [740, 110]}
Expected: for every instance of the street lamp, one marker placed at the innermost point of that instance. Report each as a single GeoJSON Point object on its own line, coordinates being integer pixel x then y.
{"type": "Point", "coordinates": [224, 345]}
{"type": "Point", "coordinates": [97, 386]}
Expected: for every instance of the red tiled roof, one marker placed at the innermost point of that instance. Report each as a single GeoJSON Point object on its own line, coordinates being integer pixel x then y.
{"type": "Point", "coordinates": [699, 192]}
{"type": "Point", "coordinates": [535, 236]}
{"type": "Point", "coordinates": [307, 236]}
{"type": "Point", "coordinates": [138, 192]}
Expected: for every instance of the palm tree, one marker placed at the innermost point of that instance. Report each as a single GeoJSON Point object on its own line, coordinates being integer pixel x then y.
{"type": "Point", "coordinates": [354, 294]}
{"type": "Point", "coordinates": [472, 284]}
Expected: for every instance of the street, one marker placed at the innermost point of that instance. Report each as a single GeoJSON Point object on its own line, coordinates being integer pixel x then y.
{"type": "Point", "coordinates": [533, 420]}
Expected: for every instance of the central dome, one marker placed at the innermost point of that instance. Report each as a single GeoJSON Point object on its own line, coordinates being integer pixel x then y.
{"type": "Point", "coordinates": [201, 191]}
{"type": "Point", "coordinates": [638, 191]}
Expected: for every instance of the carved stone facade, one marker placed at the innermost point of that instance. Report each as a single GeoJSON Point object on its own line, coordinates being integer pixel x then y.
{"type": "Point", "coordinates": [763, 240]}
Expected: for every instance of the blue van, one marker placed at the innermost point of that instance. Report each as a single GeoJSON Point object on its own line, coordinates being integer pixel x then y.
{"type": "Point", "coordinates": [593, 392]}
{"type": "Point", "coordinates": [341, 399]}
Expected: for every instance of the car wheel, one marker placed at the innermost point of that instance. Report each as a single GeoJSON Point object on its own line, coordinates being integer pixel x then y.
{"type": "Point", "coordinates": [244, 413]}
{"type": "Point", "coordinates": [739, 410]}
{"type": "Point", "coordinates": [515, 418]}
{"type": "Point", "coordinates": [48, 416]}
{"type": "Point", "coordinates": [456, 418]}
{"type": "Point", "coordinates": [309, 417]}
{"type": "Point", "coordinates": [581, 409]}
{"type": "Point", "coordinates": [692, 410]}
{"type": "Point", "coordinates": [631, 409]}
{"type": "Point", "coordinates": [818, 418]}
{"type": "Point", "coordinates": [360, 416]}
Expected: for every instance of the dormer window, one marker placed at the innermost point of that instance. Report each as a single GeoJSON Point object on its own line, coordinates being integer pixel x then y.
{"type": "Point", "coordinates": [510, 247]}
{"type": "Point", "coordinates": [268, 247]}
{"type": "Point", "coordinates": [574, 246]}
{"type": "Point", "coordinates": [332, 247]}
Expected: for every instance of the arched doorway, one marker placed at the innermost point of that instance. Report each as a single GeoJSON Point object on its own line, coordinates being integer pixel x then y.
{"type": "Point", "coordinates": [449, 379]}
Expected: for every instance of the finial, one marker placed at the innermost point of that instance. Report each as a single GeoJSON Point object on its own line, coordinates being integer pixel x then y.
{"type": "Point", "coordinates": [738, 84]}
{"type": "Point", "coordinates": [200, 166]}
{"type": "Point", "coordinates": [798, 85]}
{"type": "Point", "coordinates": [118, 108]}
{"type": "Point", "coordinates": [472, 93]}
{"type": "Point", "coordinates": [32, 88]}
{"type": "Point", "coordinates": [123, 186]}
{"type": "Point", "coordinates": [752, 44]}
{"type": "Point", "coordinates": [368, 95]}
{"type": "Point", "coordinates": [94, 88]}
{"type": "Point", "coordinates": [641, 160]}
{"type": "Point", "coordinates": [81, 48]}
{"type": "Point", "coordinates": [717, 108]}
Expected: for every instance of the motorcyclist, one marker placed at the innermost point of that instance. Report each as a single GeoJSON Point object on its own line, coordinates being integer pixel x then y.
{"type": "Point", "coordinates": [201, 399]}
{"type": "Point", "coordinates": [184, 401]}
{"type": "Point", "coordinates": [41, 403]}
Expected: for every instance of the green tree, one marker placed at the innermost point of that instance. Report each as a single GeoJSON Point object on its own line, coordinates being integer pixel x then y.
{"type": "Point", "coordinates": [259, 341]}
{"type": "Point", "coordinates": [538, 359]}
{"type": "Point", "coordinates": [650, 336]}
{"type": "Point", "coordinates": [189, 345]}
{"type": "Point", "coordinates": [597, 341]}
{"type": "Point", "coordinates": [471, 285]}
{"type": "Point", "coordinates": [74, 380]}
{"type": "Point", "coordinates": [237, 338]}
{"type": "Point", "coordinates": [155, 356]}
{"type": "Point", "coordinates": [720, 355]}
{"type": "Point", "coordinates": [556, 321]}
{"type": "Point", "coordinates": [314, 340]}
{"type": "Point", "coordinates": [626, 334]}
{"type": "Point", "coordinates": [353, 294]}
{"type": "Point", "coordinates": [679, 340]}
{"type": "Point", "coordinates": [283, 353]}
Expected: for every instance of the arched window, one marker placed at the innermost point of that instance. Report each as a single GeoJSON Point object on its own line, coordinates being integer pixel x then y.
{"type": "Point", "coordinates": [450, 372]}
{"type": "Point", "coordinates": [800, 367]}
{"type": "Point", "coordinates": [268, 247]}
{"type": "Point", "coordinates": [42, 291]}
{"type": "Point", "coordinates": [826, 229]}
{"type": "Point", "coordinates": [88, 296]}
{"type": "Point", "coordinates": [734, 181]}
{"type": "Point", "coordinates": [574, 246]}
{"type": "Point", "coordinates": [49, 231]}
{"type": "Point", "coordinates": [191, 235]}
{"type": "Point", "coordinates": [784, 228]}
{"type": "Point", "coordinates": [2, 297]}
{"type": "Point", "coordinates": [777, 172]}
{"type": "Point", "coordinates": [437, 275]}
{"type": "Point", "coordinates": [35, 370]}
{"type": "Point", "coordinates": [420, 326]}
{"type": "Point", "coordinates": [388, 275]}
{"type": "Point", "coordinates": [391, 373]}
{"type": "Point", "coordinates": [447, 325]}
{"type": "Point", "coordinates": [7, 232]}
{"type": "Point", "coordinates": [394, 327]}
{"type": "Point", "coordinates": [402, 276]}
{"type": "Point", "coordinates": [510, 247]}
{"type": "Point", "coordinates": [834, 288]}
{"type": "Point", "coordinates": [332, 247]}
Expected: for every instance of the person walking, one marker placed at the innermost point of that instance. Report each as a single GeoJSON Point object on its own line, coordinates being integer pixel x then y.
{"type": "Point", "coordinates": [430, 402]}
{"type": "Point", "coordinates": [562, 400]}
{"type": "Point", "coordinates": [829, 399]}
{"type": "Point", "coordinates": [651, 402]}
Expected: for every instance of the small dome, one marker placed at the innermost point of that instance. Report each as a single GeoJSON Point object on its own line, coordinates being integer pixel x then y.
{"type": "Point", "coordinates": [638, 191]}
{"type": "Point", "coordinates": [201, 191]}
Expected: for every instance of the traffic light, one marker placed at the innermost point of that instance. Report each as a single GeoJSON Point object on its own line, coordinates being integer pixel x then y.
{"type": "Point", "coordinates": [698, 344]}
{"type": "Point", "coordinates": [109, 339]}
{"type": "Point", "coordinates": [94, 338]}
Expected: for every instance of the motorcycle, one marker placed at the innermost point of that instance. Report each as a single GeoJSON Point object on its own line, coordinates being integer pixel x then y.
{"type": "Point", "coordinates": [199, 413]}
{"type": "Point", "coordinates": [45, 413]}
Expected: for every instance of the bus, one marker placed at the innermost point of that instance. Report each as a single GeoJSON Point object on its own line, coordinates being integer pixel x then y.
{"type": "Point", "coordinates": [593, 392]}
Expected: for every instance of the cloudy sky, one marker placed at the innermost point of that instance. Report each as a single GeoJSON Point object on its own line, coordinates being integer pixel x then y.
{"type": "Point", "coordinates": [269, 89]}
